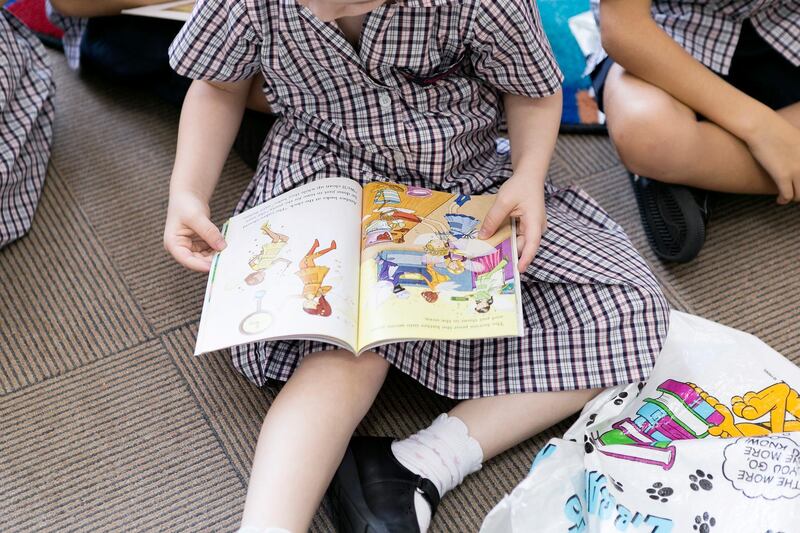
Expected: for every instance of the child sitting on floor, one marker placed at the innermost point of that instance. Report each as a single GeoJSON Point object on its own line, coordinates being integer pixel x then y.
{"type": "Point", "coordinates": [705, 95]}
{"type": "Point", "coordinates": [412, 91]}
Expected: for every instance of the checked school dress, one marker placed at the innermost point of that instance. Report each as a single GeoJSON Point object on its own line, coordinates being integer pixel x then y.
{"type": "Point", "coordinates": [26, 125]}
{"type": "Point", "coordinates": [710, 30]}
{"type": "Point", "coordinates": [420, 102]}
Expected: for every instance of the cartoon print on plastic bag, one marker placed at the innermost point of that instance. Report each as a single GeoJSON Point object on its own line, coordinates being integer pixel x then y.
{"type": "Point", "coordinates": [685, 411]}
{"type": "Point", "coordinates": [774, 402]}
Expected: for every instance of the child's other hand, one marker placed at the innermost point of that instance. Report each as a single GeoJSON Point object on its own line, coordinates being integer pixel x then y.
{"type": "Point", "coordinates": [776, 145]}
{"type": "Point", "coordinates": [523, 199]}
{"type": "Point", "coordinates": [189, 235]}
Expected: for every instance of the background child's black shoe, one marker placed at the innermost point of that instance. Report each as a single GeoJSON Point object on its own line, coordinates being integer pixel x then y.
{"type": "Point", "coordinates": [372, 492]}
{"type": "Point", "coordinates": [674, 218]}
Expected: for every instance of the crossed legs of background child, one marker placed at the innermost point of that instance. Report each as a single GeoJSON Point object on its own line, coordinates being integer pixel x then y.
{"type": "Point", "coordinates": [308, 427]}
{"type": "Point", "coordinates": [659, 137]}
{"type": "Point", "coordinates": [675, 158]}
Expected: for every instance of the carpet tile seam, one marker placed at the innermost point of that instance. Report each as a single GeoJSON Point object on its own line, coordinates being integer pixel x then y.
{"type": "Point", "coordinates": [198, 405]}
{"type": "Point", "coordinates": [101, 357]}
{"type": "Point", "coordinates": [101, 244]}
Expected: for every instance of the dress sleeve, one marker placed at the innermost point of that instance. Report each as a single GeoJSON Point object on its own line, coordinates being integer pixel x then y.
{"type": "Point", "coordinates": [219, 42]}
{"type": "Point", "coordinates": [73, 28]}
{"type": "Point", "coordinates": [510, 51]}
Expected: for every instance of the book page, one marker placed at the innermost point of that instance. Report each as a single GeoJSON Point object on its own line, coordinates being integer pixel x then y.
{"type": "Point", "coordinates": [179, 10]}
{"type": "Point", "coordinates": [425, 275]}
{"type": "Point", "coordinates": [290, 270]}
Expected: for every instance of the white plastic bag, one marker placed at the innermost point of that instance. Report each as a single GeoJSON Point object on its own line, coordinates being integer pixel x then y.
{"type": "Point", "coordinates": [710, 444]}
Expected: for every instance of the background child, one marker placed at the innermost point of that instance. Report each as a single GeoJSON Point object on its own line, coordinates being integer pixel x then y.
{"type": "Point", "coordinates": [412, 91]}
{"type": "Point", "coordinates": [703, 94]}
{"type": "Point", "coordinates": [133, 51]}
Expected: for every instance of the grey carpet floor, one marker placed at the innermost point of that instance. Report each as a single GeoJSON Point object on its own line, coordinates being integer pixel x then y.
{"type": "Point", "coordinates": [107, 423]}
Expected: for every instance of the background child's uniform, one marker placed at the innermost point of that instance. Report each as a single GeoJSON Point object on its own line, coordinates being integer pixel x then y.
{"type": "Point", "coordinates": [752, 44]}
{"type": "Point", "coordinates": [128, 49]}
{"type": "Point", "coordinates": [26, 125]}
{"type": "Point", "coordinates": [74, 28]}
{"type": "Point", "coordinates": [420, 103]}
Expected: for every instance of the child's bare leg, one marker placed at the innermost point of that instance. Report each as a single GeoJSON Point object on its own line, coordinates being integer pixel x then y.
{"type": "Point", "coordinates": [659, 137]}
{"type": "Point", "coordinates": [305, 434]}
{"type": "Point", "coordinates": [791, 113]}
{"type": "Point", "coordinates": [501, 422]}
{"type": "Point", "coordinates": [452, 447]}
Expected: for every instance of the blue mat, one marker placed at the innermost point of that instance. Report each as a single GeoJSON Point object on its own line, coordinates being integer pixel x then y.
{"type": "Point", "coordinates": [580, 112]}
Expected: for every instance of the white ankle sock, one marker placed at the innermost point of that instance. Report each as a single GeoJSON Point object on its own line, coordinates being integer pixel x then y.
{"type": "Point", "coordinates": [444, 453]}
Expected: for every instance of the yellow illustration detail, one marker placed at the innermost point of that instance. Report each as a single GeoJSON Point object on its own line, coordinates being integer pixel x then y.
{"type": "Point", "coordinates": [774, 402]}
{"type": "Point", "coordinates": [314, 302]}
{"type": "Point", "coordinates": [268, 256]}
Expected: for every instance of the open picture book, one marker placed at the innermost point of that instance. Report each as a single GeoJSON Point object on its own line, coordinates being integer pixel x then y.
{"type": "Point", "coordinates": [179, 10]}
{"type": "Point", "coordinates": [358, 267]}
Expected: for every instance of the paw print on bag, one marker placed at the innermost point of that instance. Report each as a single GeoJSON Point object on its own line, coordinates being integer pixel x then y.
{"type": "Point", "coordinates": [620, 399]}
{"type": "Point", "coordinates": [588, 447]}
{"type": "Point", "coordinates": [704, 523]}
{"type": "Point", "coordinates": [700, 480]}
{"type": "Point", "coordinates": [659, 492]}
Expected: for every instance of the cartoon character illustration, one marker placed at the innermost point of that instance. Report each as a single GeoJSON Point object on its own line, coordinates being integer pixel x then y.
{"type": "Point", "coordinates": [397, 219]}
{"type": "Point", "coordinates": [436, 279]}
{"type": "Point", "coordinates": [440, 244]}
{"type": "Point", "coordinates": [445, 256]}
{"type": "Point", "coordinates": [268, 256]}
{"type": "Point", "coordinates": [407, 267]}
{"type": "Point", "coordinates": [314, 301]}
{"type": "Point", "coordinates": [395, 210]}
{"type": "Point", "coordinates": [388, 193]}
{"type": "Point", "coordinates": [685, 411]}
{"type": "Point", "coordinates": [678, 413]}
{"type": "Point", "coordinates": [774, 402]}
{"type": "Point", "coordinates": [462, 226]}
{"type": "Point", "coordinates": [489, 273]}
{"type": "Point", "coordinates": [482, 277]}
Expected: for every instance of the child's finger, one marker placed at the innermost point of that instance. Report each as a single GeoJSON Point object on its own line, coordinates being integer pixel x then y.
{"type": "Point", "coordinates": [496, 216]}
{"type": "Point", "coordinates": [185, 257]}
{"type": "Point", "coordinates": [785, 191]}
{"type": "Point", "coordinates": [209, 232]}
{"type": "Point", "coordinates": [529, 251]}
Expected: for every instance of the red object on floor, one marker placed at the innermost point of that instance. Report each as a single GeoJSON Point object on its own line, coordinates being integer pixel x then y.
{"type": "Point", "coordinates": [32, 14]}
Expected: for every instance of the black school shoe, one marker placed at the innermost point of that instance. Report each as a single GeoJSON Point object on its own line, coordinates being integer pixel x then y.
{"type": "Point", "coordinates": [372, 492]}
{"type": "Point", "coordinates": [674, 218]}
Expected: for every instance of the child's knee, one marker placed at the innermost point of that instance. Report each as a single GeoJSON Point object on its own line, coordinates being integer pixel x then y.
{"type": "Point", "coordinates": [643, 138]}
{"type": "Point", "coordinates": [647, 126]}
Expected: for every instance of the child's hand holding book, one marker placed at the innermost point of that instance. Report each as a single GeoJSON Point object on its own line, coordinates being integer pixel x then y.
{"type": "Point", "coordinates": [189, 235]}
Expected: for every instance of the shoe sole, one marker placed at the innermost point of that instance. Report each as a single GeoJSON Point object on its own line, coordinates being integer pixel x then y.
{"type": "Point", "coordinates": [351, 513]}
{"type": "Point", "coordinates": [683, 201]}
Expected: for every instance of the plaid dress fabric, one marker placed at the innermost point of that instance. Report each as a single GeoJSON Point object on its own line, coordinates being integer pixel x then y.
{"type": "Point", "coordinates": [26, 125]}
{"type": "Point", "coordinates": [709, 29]}
{"type": "Point", "coordinates": [74, 28]}
{"type": "Point", "coordinates": [420, 102]}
